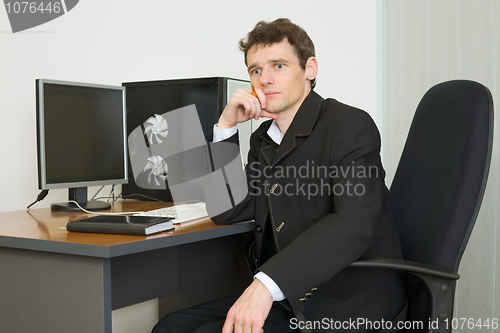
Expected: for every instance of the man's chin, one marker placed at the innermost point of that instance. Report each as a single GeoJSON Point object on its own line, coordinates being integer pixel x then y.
{"type": "Point", "coordinates": [272, 109]}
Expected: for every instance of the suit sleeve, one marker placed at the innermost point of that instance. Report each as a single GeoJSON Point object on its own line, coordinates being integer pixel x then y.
{"type": "Point", "coordinates": [337, 239]}
{"type": "Point", "coordinates": [230, 199]}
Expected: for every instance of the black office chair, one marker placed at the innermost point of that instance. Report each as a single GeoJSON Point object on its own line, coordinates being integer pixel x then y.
{"type": "Point", "coordinates": [437, 192]}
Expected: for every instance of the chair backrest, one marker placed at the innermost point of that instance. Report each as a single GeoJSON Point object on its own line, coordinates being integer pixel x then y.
{"type": "Point", "coordinates": [440, 180]}
{"type": "Point", "coordinates": [441, 177]}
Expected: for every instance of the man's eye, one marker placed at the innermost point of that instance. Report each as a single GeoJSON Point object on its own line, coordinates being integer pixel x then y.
{"type": "Point", "coordinates": [256, 71]}
{"type": "Point", "coordinates": [279, 66]}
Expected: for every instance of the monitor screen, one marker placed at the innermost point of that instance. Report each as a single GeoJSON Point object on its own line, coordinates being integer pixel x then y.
{"type": "Point", "coordinates": [81, 134]}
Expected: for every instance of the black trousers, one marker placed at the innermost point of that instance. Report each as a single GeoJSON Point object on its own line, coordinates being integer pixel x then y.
{"type": "Point", "coordinates": [372, 297]}
{"type": "Point", "coordinates": [210, 318]}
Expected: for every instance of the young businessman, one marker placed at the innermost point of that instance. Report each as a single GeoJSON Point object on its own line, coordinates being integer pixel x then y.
{"type": "Point", "coordinates": [317, 194]}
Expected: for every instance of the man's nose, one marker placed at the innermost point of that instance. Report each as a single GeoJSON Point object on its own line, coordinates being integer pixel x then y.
{"type": "Point", "coordinates": [266, 77]}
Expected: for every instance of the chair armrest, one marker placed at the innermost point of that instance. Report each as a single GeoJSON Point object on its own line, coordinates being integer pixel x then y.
{"type": "Point", "coordinates": [438, 281]}
{"type": "Point", "coordinates": [407, 266]}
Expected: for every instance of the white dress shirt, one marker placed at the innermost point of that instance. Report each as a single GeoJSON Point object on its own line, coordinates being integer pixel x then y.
{"type": "Point", "coordinates": [276, 135]}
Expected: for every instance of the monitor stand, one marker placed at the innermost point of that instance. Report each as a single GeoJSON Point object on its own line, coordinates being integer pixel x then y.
{"type": "Point", "coordinates": [79, 195]}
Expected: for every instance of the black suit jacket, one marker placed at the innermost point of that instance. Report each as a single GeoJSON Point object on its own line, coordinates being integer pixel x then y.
{"type": "Point", "coordinates": [323, 192]}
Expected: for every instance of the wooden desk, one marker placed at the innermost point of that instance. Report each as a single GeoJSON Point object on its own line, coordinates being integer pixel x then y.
{"type": "Point", "coordinates": [55, 281]}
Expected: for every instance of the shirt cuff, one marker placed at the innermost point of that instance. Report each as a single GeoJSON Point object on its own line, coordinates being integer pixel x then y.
{"type": "Point", "coordinates": [223, 134]}
{"type": "Point", "coordinates": [273, 288]}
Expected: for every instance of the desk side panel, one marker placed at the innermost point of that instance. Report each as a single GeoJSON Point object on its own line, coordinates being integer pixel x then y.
{"type": "Point", "coordinates": [143, 276]}
{"type": "Point", "coordinates": [209, 270]}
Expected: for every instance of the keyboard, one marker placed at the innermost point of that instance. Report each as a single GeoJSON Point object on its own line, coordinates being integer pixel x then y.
{"type": "Point", "coordinates": [180, 213]}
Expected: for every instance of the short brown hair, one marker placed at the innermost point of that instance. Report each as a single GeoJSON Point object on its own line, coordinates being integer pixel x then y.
{"type": "Point", "coordinates": [267, 33]}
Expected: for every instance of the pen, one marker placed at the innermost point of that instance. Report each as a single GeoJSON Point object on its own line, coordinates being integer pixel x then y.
{"type": "Point", "coordinates": [254, 92]}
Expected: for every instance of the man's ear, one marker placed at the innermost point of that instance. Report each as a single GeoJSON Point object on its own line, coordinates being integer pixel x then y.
{"type": "Point", "coordinates": [311, 68]}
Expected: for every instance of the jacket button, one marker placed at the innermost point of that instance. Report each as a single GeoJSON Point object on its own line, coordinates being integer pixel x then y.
{"type": "Point", "coordinates": [258, 228]}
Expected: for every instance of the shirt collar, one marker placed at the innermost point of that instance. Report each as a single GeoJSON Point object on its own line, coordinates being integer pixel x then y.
{"type": "Point", "coordinates": [275, 133]}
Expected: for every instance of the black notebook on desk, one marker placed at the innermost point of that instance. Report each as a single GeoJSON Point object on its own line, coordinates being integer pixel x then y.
{"type": "Point", "coordinates": [122, 224]}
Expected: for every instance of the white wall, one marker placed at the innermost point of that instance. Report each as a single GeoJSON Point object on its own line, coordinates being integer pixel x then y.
{"type": "Point", "coordinates": [117, 41]}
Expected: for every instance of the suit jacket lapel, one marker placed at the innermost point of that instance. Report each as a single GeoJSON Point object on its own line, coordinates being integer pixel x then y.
{"type": "Point", "coordinates": [268, 146]}
{"type": "Point", "coordinates": [301, 126]}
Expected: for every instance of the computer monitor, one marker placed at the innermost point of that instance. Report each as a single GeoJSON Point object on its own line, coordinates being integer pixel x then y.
{"type": "Point", "coordinates": [82, 139]}
{"type": "Point", "coordinates": [148, 98]}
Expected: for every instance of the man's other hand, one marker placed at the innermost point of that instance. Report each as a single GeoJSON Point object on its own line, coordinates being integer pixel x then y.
{"type": "Point", "coordinates": [249, 312]}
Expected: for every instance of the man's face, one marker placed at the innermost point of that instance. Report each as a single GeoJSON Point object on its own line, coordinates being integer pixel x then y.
{"type": "Point", "coordinates": [275, 69]}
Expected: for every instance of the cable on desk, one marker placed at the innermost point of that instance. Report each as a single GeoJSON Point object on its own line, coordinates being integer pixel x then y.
{"type": "Point", "coordinates": [97, 192]}
{"type": "Point", "coordinates": [141, 195]}
{"type": "Point", "coordinates": [99, 213]}
{"type": "Point", "coordinates": [40, 197]}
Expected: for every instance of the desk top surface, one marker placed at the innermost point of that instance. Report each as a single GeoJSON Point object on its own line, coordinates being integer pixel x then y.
{"type": "Point", "coordinates": [44, 230]}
